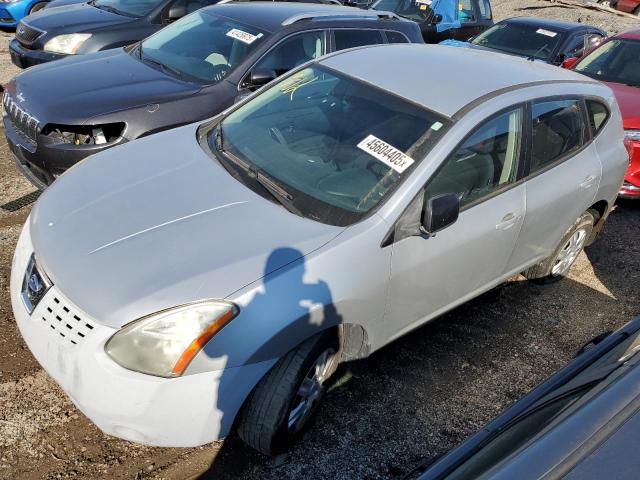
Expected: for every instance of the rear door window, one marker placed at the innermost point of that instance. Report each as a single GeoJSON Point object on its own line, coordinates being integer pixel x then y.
{"type": "Point", "coordinates": [558, 130]}
{"type": "Point", "coordinates": [356, 38]}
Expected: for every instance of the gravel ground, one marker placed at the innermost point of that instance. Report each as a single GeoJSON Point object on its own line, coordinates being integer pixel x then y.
{"type": "Point", "coordinates": [415, 398]}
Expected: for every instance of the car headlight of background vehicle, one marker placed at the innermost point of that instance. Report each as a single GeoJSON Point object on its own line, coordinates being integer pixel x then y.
{"type": "Point", "coordinates": [163, 344]}
{"type": "Point", "coordinates": [632, 135]}
{"type": "Point", "coordinates": [68, 44]}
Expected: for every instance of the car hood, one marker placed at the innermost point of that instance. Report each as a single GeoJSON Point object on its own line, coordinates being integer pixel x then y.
{"type": "Point", "coordinates": [158, 223]}
{"type": "Point", "coordinates": [75, 18]}
{"type": "Point", "coordinates": [629, 100]}
{"type": "Point", "coordinates": [73, 90]}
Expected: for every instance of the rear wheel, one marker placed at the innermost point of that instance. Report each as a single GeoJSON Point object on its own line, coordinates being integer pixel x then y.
{"type": "Point", "coordinates": [37, 7]}
{"type": "Point", "coordinates": [284, 403]}
{"type": "Point", "coordinates": [556, 266]}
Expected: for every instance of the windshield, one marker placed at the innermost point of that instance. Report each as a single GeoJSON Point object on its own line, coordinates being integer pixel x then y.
{"type": "Point", "coordinates": [546, 412]}
{"type": "Point", "coordinates": [615, 61]}
{"type": "Point", "coordinates": [131, 8]}
{"type": "Point", "coordinates": [338, 146]}
{"type": "Point", "coordinates": [202, 46]}
{"type": "Point", "coordinates": [518, 39]}
{"type": "Point", "coordinates": [412, 9]}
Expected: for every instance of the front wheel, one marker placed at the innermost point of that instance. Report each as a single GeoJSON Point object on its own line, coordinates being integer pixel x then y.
{"type": "Point", "coordinates": [284, 403]}
{"type": "Point", "coordinates": [557, 265]}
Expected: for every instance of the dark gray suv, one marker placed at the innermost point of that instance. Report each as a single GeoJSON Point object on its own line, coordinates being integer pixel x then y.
{"type": "Point", "coordinates": [59, 113]}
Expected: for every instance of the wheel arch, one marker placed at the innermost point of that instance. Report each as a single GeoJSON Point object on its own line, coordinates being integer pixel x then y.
{"type": "Point", "coordinates": [599, 210]}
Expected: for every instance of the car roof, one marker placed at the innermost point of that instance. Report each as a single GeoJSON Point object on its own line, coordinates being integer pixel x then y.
{"type": "Point", "coordinates": [271, 15]}
{"type": "Point", "coordinates": [633, 33]}
{"type": "Point", "coordinates": [443, 78]}
{"type": "Point", "coordinates": [558, 25]}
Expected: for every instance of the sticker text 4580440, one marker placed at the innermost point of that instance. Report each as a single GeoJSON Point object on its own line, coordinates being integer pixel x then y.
{"type": "Point", "coordinates": [387, 154]}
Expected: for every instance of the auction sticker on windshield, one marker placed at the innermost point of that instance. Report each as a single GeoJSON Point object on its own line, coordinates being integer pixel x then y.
{"type": "Point", "coordinates": [387, 154]}
{"type": "Point", "coordinates": [242, 36]}
{"type": "Point", "coordinates": [548, 33]}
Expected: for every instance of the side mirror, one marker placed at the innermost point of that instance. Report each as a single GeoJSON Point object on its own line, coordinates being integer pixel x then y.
{"type": "Point", "coordinates": [440, 212]}
{"type": "Point", "coordinates": [176, 12]}
{"type": "Point", "coordinates": [437, 18]}
{"type": "Point", "coordinates": [569, 62]}
{"type": "Point", "coordinates": [258, 78]}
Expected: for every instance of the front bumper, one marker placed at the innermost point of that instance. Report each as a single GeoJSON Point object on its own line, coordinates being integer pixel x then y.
{"type": "Point", "coordinates": [631, 186]}
{"type": "Point", "coordinates": [23, 57]}
{"type": "Point", "coordinates": [180, 412]}
{"type": "Point", "coordinates": [43, 162]}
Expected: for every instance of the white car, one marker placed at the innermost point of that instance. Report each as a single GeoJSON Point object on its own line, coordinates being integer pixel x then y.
{"type": "Point", "coordinates": [223, 269]}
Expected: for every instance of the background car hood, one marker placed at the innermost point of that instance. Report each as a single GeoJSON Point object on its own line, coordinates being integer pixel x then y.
{"type": "Point", "coordinates": [158, 223]}
{"type": "Point", "coordinates": [76, 18]}
{"type": "Point", "coordinates": [629, 100]}
{"type": "Point", "coordinates": [73, 90]}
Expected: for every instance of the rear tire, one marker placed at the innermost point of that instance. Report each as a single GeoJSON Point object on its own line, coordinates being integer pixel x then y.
{"type": "Point", "coordinates": [558, 264]}
{"type": "Point", "coordinates": [284, 403]}
{"type": "Point", "coordinates": [36, 7]}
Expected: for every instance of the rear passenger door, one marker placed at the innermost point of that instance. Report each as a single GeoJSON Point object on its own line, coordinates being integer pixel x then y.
{"type": "Point", "coordinates": [564, 172]}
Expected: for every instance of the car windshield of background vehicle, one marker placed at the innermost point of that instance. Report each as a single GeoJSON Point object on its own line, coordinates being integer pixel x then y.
{"type": "Point", "coordinates": [202, 46]}
{"type": "Point", "coordinates": [130, 8]}
{"type": "Point", "coordinates": [338, 145]}
{"type": "Point", "coordinates": [524, 40]}
{"type": "Point", "coordinates": [616, 61]}
{"type": "Point", "coordinates": [411, 9]}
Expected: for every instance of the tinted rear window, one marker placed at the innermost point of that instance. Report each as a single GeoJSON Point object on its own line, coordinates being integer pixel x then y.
{"type": "Point", "coordinates": [356, 38]}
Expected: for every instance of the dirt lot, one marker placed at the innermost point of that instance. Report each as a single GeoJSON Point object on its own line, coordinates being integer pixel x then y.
{"type": "Point", "coordinates": [416, 398]}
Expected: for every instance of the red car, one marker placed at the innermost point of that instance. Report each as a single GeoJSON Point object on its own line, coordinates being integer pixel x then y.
{"type": "Point", "coordinates": [617, 63]}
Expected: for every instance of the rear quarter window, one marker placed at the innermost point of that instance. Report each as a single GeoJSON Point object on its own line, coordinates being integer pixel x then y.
{"type": "Point", "coordinates": [598, 115]}
{"type": "Point", "coordinates": [396, 37]}
{"type": "Point", "coordinates": [356, 38]}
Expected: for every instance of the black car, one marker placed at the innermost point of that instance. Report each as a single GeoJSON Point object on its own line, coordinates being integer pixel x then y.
{"type": "Point", "coordinates": [580, 424]}
{"type": "Point", "coordinates": [58, 113]}
{"type": "Point", "coordinates": [543, 39]}
{"type": "Point", "coordinates": [54, 33]}
{"type": "Point", "coordinates": [442, 19]}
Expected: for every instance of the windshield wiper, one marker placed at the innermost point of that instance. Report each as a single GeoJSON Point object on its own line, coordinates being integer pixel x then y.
{"type": "Point", "coordinates": [281, 195]}
{"type": "Point", "coordinates": [159, 64]}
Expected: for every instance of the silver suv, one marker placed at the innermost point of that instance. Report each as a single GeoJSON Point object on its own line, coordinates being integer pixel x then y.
{"type": "Point", "coordinates": [216, 274]}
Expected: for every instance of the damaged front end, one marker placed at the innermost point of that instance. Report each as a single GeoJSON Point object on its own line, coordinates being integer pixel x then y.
{"type": "Point", "coordinates": [85, 134]}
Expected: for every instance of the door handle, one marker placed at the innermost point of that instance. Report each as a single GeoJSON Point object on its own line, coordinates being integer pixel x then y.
{"type": "Point", "coordinates": [588, 182]}
{"type": "Point", "coordinates": [508, 221]}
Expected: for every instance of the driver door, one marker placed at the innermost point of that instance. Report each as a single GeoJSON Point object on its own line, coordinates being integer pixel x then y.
{"type": "Point", "coordinates": [431, 274]}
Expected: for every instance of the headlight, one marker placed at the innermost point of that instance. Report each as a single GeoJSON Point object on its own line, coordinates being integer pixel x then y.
{"type": "Point", "coordinates": [163, 344]}
{"type": "Point", "coordinates": [68, 44]}
{"type": "Point", "coordinates": [632, 135]}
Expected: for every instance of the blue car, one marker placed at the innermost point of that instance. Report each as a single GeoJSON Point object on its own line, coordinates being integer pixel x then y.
{"type": "Point", "coordinates": [12, 11]}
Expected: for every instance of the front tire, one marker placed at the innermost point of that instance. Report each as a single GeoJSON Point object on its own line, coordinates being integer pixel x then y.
{"type": "Point", "coordinates": [558, 264]}
{"type": "Point", "coordinates": [284, 403]}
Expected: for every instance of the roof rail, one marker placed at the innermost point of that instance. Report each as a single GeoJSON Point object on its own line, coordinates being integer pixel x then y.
{"type": "Point", "coordinates": [368, 14]}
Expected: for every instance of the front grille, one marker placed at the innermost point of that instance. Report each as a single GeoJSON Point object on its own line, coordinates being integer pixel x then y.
{"type": "Point", "coordinates": [5, 16]}
{"type": "Point", "coordinates": [61, 320]}
{"type": "Point", "coordinates": [26, 125]}
{"type": "Point", "coordinates": [26, 35]}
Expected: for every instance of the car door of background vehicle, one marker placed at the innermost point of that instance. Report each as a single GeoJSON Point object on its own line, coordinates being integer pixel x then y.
{"type": "Point", "coordinates": [564, 172]}
{"type": "Point", "coordinates": [430, 274]}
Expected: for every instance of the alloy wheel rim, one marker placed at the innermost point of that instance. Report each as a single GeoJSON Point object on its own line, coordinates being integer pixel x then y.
{"type": "Point", "coordinates": [569, 253]}
{"type": "Point", "coordinates": [311, 390]}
